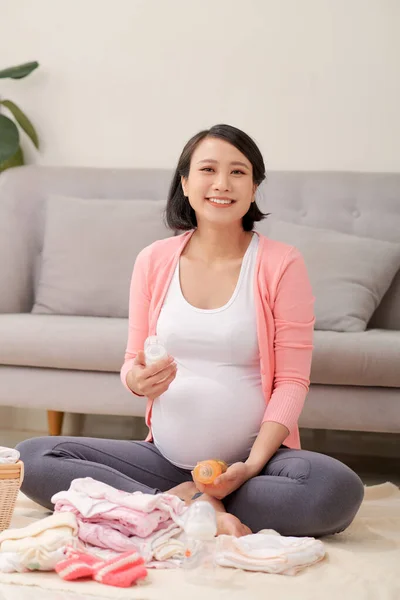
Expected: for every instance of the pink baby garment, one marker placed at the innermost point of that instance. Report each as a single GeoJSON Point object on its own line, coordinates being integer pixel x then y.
{"type": "Point", "coordinates": [120, 521]}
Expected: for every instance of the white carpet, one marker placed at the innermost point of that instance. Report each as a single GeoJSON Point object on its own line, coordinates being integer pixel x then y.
{"type": "Point", "coordinates": [362, 563]}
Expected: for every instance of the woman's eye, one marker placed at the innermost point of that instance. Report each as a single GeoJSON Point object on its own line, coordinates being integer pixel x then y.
{"type": "Point", "coordinates": [208, 169]}
{"type": "Point", "coordinates": [237, 171]}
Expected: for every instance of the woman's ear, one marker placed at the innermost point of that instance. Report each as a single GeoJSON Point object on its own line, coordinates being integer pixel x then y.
{"type": "Point", "coordinates": [255, 188]}
{"type": "Point", "coordinates": [184, 185]}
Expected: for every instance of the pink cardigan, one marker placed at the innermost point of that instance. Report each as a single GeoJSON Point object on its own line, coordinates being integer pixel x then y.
{"type": "Point", "coordinates": [285, 321]}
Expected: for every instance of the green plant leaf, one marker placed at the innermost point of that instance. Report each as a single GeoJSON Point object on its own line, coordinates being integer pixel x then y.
{"type": "Point", "coordinates": [22, 120]}
{"type": "Point", "coordinates": [9, 138]}
{"type": "Point", "coordinates": [19, 71]}
{"type": "Point", "coordinates": [15, 161]}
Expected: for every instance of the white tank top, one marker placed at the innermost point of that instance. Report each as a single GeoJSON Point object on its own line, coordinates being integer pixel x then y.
{"type": "Point", "coordinates": [214, 407]}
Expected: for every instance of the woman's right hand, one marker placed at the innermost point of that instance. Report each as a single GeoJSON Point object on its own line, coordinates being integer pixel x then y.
{"type": "Point", "coordinates": [154, 380]}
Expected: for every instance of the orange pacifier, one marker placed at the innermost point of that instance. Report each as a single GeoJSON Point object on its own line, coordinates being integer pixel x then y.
{"type": "Point", "coordinates": [207, 471]}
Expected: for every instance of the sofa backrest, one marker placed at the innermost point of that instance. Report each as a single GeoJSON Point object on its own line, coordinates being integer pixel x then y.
{"type": "Point", "coordinates": [363, 204]}
{"type": "Point", "coordinates": [23, 192]}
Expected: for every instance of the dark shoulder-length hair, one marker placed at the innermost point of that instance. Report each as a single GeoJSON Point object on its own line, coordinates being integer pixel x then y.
{"type": "Point", "coordinates": [179, 214]}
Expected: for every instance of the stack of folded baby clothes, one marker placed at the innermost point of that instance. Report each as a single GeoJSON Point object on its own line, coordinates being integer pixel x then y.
{"type": "Point", "coordinates": [40, 545]}
{"type": "Point", "coordinates": [118, 521]}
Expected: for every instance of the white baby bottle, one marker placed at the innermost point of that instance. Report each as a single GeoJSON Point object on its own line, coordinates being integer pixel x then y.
{"type": "Point", "coordinates": [200, 529]}
{"type": "Point", "coordinates": [154, 350]}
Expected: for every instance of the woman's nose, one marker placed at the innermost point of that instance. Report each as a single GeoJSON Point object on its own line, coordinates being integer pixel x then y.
{"type": "Point", "coordinates": [221, 182]}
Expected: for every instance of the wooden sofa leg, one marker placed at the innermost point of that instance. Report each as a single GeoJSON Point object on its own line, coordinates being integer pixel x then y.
{"type": "Point", "coordinates": [55, 420]}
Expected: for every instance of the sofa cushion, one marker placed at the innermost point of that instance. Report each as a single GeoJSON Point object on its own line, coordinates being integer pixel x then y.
{"type": "Point", "coordinates": [63, 342]}
{"type": "Point", "coordinates": [349, 274]}
{"type": "Point", "coordinates": [365, 358]}
{"type": "Point", "coordinates": [89, 250]}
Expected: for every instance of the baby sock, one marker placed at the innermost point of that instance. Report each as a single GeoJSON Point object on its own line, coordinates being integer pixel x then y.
{"type": "Point", "coordinates": [122, 570]}
{"type": "Point", "coordinates": [77, 565]}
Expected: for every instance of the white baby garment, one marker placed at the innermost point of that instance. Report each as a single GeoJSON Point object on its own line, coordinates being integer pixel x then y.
{"type": "Point", "coordinates": [269, 552]}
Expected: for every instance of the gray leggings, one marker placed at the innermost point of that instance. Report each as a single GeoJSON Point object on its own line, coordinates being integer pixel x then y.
{"type": "Point", "coordinates": [297, 493]}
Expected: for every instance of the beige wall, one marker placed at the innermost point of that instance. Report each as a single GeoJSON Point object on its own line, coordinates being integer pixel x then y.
{"type": "Point", "coordinates": [125, 83]}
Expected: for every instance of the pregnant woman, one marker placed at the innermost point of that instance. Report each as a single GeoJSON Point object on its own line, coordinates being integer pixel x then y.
{"type": "Point", "coordinates": [235, 312]}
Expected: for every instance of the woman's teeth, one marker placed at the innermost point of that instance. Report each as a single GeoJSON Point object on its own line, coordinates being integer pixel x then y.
{"type": "Point", "coordinates": [218, 201]}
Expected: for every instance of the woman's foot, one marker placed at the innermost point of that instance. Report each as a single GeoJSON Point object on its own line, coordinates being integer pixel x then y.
{"type": "Point", "coordinates": [184, 491]}
{"type": "Point", "coordinates": [226, 523]}
{"type": "Point", "coordinates": [230, 525]}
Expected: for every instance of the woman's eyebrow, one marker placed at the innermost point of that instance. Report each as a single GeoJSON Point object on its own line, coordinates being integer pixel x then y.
{"type": "Point", "coordinates": [212, 160]}
{"type": "Point", "coordinates": [242, 164]}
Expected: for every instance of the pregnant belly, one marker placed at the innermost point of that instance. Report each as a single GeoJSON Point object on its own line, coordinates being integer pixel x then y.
{"type": "Point", "coordinates": [200, 418]}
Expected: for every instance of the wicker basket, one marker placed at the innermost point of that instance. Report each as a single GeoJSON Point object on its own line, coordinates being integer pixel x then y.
{"type": "Point", "coordinates": [11, 477]}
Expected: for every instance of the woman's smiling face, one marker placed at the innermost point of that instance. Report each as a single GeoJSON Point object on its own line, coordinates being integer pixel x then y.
{"type": "Point", "coordinates": [220, 185]}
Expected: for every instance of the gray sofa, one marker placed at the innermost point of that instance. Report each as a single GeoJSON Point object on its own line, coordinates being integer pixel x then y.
{"type": "Point", "coordinates": [70, 362]}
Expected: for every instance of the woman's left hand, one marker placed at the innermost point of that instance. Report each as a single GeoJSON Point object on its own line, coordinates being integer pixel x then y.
{"type": "Point", "coordinates": [235, 476]}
